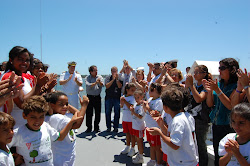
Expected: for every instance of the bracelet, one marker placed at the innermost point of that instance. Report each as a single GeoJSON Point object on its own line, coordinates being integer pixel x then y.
{"type": "Point", "coordinates": [238, 91]}
{"type": "Point", "coordinates": [218, 94]}
{"type": "Point", "coordinates": [245, 87]}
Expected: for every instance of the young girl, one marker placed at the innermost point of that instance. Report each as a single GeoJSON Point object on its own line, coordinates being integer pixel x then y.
{"type": "Point", "coordinates": [64, 151]}
{"type": "Point", "coordinates": [199, 109]}
{"type": "Point", "coordinates": [138, 125]}
{"type": "Point", "coordinates": [234, 147]}
{"type": "Point", "coordinates": [20, 59]}
{"type": "Point", "coordinates": [153, 108]}
{"type": "Point", "coordinates": [126, 101]}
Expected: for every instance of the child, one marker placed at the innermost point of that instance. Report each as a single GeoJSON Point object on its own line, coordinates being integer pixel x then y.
{"type": "Point", "coordinates": [33, 140]}
{"type": "Point", "coordinates": [153, 108]}
{"type": "Point", "coordinates": [64, 151]}
{"type": "Point", "coordinates": [181, 147]}
{"type": "Point", "coordinates": [126, 101]}
{"type": "Point", "coordinates": [138, 125]}
{"type": "Point", "coordinates": [235, 147]}
{"type": "Point", "coordinates": [7, 123]}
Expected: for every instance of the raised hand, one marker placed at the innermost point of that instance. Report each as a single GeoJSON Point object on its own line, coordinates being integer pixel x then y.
{"type": "Point", "coordinates": [243, 77]}
{"type": "Point", "coordinates": [189, 80]}
{"type": "Point", "coordinates": [84, 100]}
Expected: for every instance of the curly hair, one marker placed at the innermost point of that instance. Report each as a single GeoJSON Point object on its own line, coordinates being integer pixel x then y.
{"type": "Point", "coordinates": [35, 104]}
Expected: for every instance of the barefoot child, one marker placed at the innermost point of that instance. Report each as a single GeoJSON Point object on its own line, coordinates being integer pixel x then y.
{"type": "Point", "coordinates": [235, 147]}
{"type": "Point", "coordinates": [126, 101]}
{"type": "Point", "coordinates": [153, 108]}
{"type": "Point", "coordinates": [33, 140]}
{"type": "Point", "coordinates": [138, 125]}
{"type": "Point", "coordinates": [64, 151]}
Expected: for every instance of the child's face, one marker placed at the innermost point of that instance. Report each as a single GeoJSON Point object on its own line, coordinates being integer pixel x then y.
{"type": "Point", "coordinates": [131, 91]}
{"type": "Point", "coordinates": [21, 63]}
{"type": "Point", "coordinates": [61, 105]}
{"type": "Point", "coordinates": [241, 125]}
{"type": "Point", "coordinates": [138, 98]}
{"type": "Point", "coordinates": [34, 120]}
{"type": "Point", "coordinates": [6, 134]}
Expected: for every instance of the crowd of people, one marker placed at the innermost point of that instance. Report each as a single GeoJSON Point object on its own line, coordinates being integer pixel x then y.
{"type": "Point", "coordinates": [38, 123]}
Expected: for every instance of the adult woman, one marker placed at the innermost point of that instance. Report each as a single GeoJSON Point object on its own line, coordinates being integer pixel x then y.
{"type": "Point", "coordinates": [199, 109]}
{"type": "Point", "coordinates": [219, 96]}
{"type": "Point", "coordinates": [176, 75]}
{"type": "Point", "coordinates": [20, 60]}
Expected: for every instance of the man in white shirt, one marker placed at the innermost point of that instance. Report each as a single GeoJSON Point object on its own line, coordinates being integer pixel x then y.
{"type": "Point", "coordinates": [71, 81]}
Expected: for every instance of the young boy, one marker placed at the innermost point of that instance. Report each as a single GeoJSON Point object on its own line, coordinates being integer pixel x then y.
{"type": "Point", "coordinates": [181, 147]}
{"type": "Point", "coordinates": [6, 129]}
{"type": "Point", "coordinates": [33, 140]}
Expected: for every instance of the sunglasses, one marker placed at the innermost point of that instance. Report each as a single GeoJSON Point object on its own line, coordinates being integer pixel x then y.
{"type": "Point", "coordinates": [222, 68]}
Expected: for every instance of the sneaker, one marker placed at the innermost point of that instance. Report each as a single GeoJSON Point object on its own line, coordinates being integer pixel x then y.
{"type": "Point", "coordinates": [131, 153]}
{"type": "Point", "coordinates": [150, 163]}
{"type": "Point", "coordinates": [76, 130]}
{"type": "Point", "coordinates": [138, 159]}
{"type": "Point", "coordinates": [125, 150]}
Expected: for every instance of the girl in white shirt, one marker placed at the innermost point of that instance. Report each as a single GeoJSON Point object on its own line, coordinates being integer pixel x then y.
{"type": "Point", "coordinates": [234, 147]}
{"type": "Point", "coordinates": [64, 151]}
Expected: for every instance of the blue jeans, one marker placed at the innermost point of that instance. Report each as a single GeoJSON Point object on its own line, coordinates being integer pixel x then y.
{"type": "Point", "coordinates": [109, 104]}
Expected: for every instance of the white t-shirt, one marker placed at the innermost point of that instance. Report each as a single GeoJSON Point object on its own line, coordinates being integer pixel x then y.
{"type": "Point", "coordinates": [181, 135]}
{"type": "Point", "coordinates": [154, 105]}
{"type": "Point", "coordinates": [244, 149]}
{"type": "Point", "coordinates": [167, 119]}
{"type": "Point", "coordinates": [6, 158]}
{"type": "Point", "coordinates": [63, 151]}
{"type": "Point", "coordinates": [35, 146]}
{"type": "Point", "coordinates": [137, 123]}
{"type": "Point", "coordinates": [127, 116]}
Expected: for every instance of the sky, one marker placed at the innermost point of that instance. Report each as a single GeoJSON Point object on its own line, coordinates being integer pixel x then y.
{"type": "Point", "coordinates": [105, 32]}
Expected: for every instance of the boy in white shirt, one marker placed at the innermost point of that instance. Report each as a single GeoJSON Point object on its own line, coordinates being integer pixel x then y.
{"type": "Point", "coordinates": [33, 140]}
{"type": "Point", "coordinates": [181, 147]}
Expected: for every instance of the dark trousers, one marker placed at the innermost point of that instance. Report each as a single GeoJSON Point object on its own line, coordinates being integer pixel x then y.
{"type": "Point", "coordinates": [201, 130]}
{"type": "Point", "coordinates": [109, 104]}
{"type": "Point", "coordinates": [219, 132]}
{"type": "Point", "coordinates": [94, 104]}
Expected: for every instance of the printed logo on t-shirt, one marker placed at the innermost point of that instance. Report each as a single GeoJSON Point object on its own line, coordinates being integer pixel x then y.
{"type": "Point", "coordinates": [28, 145]}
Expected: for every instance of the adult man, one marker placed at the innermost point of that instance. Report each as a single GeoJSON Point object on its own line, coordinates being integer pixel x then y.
{"type": "Point", "coordinates": [112, 98]}
{"type": "Point", "coordinates": [94, 84]}
{"type": "Point", "coordinates": [71, 81]}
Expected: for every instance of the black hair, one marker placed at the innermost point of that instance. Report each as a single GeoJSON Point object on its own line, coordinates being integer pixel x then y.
{"type": "Point", "coordinates": [242, 109]}
{"type": "Point", "coordinates": [128, 86]}
{"type": "Point", "coordinates": [156, 86]}
{"type": "Point", "coordinates": [232, 65]}
{"type": "Point", "coordinates": [15, 52]}
{"type": "Point", "coordinates": [91, 68]}
{"type": "Point", "coordinates": [53, 96]}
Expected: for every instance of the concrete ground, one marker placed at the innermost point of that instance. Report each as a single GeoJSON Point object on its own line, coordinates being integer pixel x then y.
{"type": "Point", "coordinates": [103, 148]}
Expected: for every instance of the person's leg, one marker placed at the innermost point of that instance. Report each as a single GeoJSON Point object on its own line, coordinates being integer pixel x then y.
{"type": "Point", "coordinates": [116, 103]}
{"type": "Point", "coordinates": [158, 153]}
{"type": "Point", "coordinates": [108, 109]}
{"type": "Point", "coordinates": [97, 107]}
{"type": "Point", "coordinates": [201, 136]}
{"type": "Point", "coordinates": [140, 145]}
{"type": "Point", "coordinates": [89, 114]}
{"type": "Point", "coordinates": [128, 139]}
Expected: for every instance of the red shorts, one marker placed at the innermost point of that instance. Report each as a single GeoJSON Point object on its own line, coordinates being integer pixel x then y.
{"type": "Point", "coordinates": [154, 140]}
{"type": "Point", "coordinates": [127, 127]}
{"type": "Point", "coordinates": [165, 158]}
{"type": "Point", "coordinates": [138, 133]}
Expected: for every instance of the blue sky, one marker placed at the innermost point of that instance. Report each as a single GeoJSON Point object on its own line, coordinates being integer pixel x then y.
{"type": "Point", "coordinates": [104, 32]}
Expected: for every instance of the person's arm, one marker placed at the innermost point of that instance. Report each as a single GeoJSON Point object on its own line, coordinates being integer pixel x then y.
{"type": "Point", "coordinates": [166, 139]}
{"type": "Point", "coordinates": [224, 160]}
{"type": "Point", "coordinates": [108, 84]}
{"type": "Point", "coordinates": [238, 96]}
{"type": "Point", "coordinates": [210, 97]}
{"type": "Point", "coordinates": [198, 97]}
{"type": "Point", "coordinates": [84, 104]}
{"type": "Point", "coordinates": [244, 79]}
{"type": "Point", "coordinates": [149, 76]}
{"type": "Point", "coordinates": [68, 127]}
{"type": "Point", "coordinates": [63, 82]}
{"type": "Point", "coordinates": [78, 82]}
{"type": "Point", "coordinates": [132, 109]}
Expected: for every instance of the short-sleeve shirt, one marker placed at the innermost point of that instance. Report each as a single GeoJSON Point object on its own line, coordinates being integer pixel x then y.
{"type": "Point", "coordinates": [35, 146]}
{"type": "Point", "coordinates": [167, 119]}
{"type": "Point", "coordinates": [95, 90]}
{"type": "Point", "coordinates": [181, 135]}
{"type": "Point", "coordinates": [155, 105]}
{"type": "Point", "coordinates": [244, 149]}
{"type": "Point", "coordinates": [113, 91]}
{"type": "Point", "coordinates": [71, 86]}
{"type": "Point", "coordinates": [63, 151]}
{"type": "Point", "coordinates": [137, 123]}
{"type": "Point", "coordinates": [6, 158]}
{"type": "Point", "coordinates": [127, 116]}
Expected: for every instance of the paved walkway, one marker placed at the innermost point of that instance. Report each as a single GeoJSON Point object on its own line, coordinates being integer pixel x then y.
{"type": "Point", "coordinates": [103, 148]}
